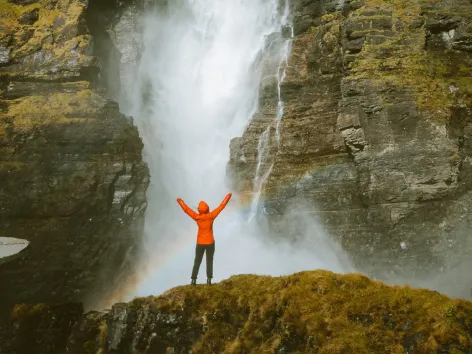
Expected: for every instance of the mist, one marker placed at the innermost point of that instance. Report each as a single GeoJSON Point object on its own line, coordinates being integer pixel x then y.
{"type": "Point", "coordinates": [197, 87]}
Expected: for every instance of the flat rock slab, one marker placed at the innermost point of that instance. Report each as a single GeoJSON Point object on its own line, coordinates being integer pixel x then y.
{"type": "Point", "coordinates": [10, 246]}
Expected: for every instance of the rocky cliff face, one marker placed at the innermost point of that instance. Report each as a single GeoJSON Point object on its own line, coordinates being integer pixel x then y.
{"type": "Point", "coordinates": [376, 135]}
{"type": "Point", "coordinates": [310, 312]}
{"type": "Point", "coordinates": [72, 179]}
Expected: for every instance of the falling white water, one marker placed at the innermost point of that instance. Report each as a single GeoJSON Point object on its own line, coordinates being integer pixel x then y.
{"type": "Point", "coordinates": [196, 89]}
{"type": "Point", "coordinates": [260, 177]}
{"type": "Point", "coordinates": [263, 149]}
{"type": "Point", "coordinates": [280, 79]}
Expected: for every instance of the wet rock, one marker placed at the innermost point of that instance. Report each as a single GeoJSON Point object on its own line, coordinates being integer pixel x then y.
{"type": "Point", "coordinates": [4, 55]}
{"type": "Point", "coordinates": [74, 184]}
{"type": "Point", "coordinates": [377, 148]}
{"type": "Point", "coordinates": [121, 318]}
{"type": "Point", "coordinates": [22, 2]}
{"type": "Point", "coordinates": [39, 328]}
{"type": "Point", "coordinates": [287, 32]}
{"type": "Point", "coordinates": [41, 50]}
{"type": "Point", "coordinates": [72, 179]}
{"type": "Point", "coordinates": [29, 17]}
{"type": "Point", "coordinates": [410, 342]}
{"type": "Point", "coordinates": [59, 22]}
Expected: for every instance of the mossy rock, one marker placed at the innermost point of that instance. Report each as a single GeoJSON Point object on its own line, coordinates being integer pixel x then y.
{"type": "Point", "coordinates": [312, 311]}
{"type": "Point", "coordinates": [45, 39]}
{"type": "Point", "coordinates": [29, 112]}
{"type": "Point", "coordinates": [332, 313]}
{"type": "Point", "coordinates": [441, 79]}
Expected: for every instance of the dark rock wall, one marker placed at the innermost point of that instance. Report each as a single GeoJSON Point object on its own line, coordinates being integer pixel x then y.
{"type": "Point", "coordinates": [376, 134]}
{"type": "Point", "coordinates": [72, 181]}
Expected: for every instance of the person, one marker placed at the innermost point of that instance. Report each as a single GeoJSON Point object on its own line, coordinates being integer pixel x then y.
{"type": "Point", "coordinates": [205, 239]}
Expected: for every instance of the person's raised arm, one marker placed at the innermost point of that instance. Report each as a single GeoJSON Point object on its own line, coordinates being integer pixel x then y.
{"type": "Point", "coordinates": [186, 209]}
{"type": "Point", "coordinates": [218, 210]}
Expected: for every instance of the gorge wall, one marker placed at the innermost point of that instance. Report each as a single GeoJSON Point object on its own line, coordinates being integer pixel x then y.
{"type": "Point", "coordinates": [72, 181]}
{"type": "Point", "coordinates": [376, 137]}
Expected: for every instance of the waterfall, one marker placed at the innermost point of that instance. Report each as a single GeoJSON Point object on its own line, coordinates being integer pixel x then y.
{"type": "Point", "coordinates": [260, 177]}
{"type": "Point", "coordinates": [263, 149]}
{"type": "Point", "coordinates": [280, 79]}
{"type": "Point", "coordinates": [197, 86]}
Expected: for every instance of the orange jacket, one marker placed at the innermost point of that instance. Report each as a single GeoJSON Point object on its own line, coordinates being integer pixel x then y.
{"type": "Point", "coordinates": [204, 219]}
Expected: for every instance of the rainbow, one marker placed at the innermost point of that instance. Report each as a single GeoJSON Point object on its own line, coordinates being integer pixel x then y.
{"type": "Point", "coordinates": [154, 265]}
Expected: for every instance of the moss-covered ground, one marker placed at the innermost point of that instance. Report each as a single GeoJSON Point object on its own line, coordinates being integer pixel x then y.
{"type": "Point", "coordinates": [307, 312]}
{"type": "Point", "coordinates": [322, 311]}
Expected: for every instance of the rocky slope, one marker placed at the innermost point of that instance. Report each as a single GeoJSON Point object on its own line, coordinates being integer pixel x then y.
{"type": "Point", "coordinates": [309, 312]}
{"type": "Point", "coordinates": [376, 137]}
{"type": "Point", "coordinates": [72, 181]}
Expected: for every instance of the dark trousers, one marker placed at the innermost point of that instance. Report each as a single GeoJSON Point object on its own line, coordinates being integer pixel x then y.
{"type": "Point", "coordinates": [199, 251]}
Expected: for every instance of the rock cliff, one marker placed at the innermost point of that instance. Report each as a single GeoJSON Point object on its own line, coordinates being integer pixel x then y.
{"type": "Point", "coordinates": [376, 135]}
{"type": "Point", "coordinates": [72, 181]}
{"type": "Point", "coordinates": [309, 312]}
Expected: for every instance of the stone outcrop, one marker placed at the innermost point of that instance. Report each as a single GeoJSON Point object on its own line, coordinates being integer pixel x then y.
{"type": "Point", "coordinates": [309, 312]}
{"type": "Point", "coordinates": [72, 180]}
{"type": "Point", "coordinates": [375, 141]}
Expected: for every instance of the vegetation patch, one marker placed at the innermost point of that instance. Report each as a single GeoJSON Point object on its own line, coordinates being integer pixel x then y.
{"type": "Point", "coordinates": [51, 30]}
{"type": "Point", "coordinates": [440, 79]}
{"type": "Point", "coordinates": [307, 312]}
{"type": "Point", "coordinates": [29, 112]}
{"type": "Point", "coordinates": [319, 311]}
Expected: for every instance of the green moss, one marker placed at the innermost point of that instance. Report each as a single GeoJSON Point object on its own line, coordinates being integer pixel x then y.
{"type": "Point", "coordinates": [3, 126]}
{"type": "Point", "coordinates": [334, 313]}
{"type": "Point", "coordinates": [21, 312]}
{"type": "Point", "coordinates": [65, 49]}
{"type": "Point", "coordinates": [402, 61]}
{"type": "Point", "coordinates": [12, 12]}
{"type": "Point", "coordinates": [103, 334]}
{"type": "Point", "coordinates": [59, 108]}
{"type": "Point", "coordinates": [8, 18]}
{"type": "Point", "coordinates": [11, 166]}
{"type": "Point", "coordinates": [361, 17]}
{"type": "Point", "coordinates": [330, 17]}
{"type": "Point", "coordinates": [44, 30]}
{"type": "Point", "coordinates": [312, 311]}
{"type": "Point", "coordinates": [6, 9]}
{"type": "Point", "coordinates": [465, 14]}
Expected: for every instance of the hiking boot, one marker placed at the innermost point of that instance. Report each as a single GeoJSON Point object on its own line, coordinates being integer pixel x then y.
{"type": "Point", "coordinates": [194, 282]}
{"type": "Point", "coordinates": [209, 281]}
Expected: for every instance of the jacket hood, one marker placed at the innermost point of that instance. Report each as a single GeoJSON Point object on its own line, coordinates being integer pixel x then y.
{"type": "Point", "coordinates": [203, 208]}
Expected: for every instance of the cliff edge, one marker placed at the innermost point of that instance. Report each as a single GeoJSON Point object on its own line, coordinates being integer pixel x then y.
{"type": "Point", "coordinates": [308, 312]}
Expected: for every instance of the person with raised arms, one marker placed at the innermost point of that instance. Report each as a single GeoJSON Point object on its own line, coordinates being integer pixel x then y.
{"type": "Point", "coordinates": [205, 238]}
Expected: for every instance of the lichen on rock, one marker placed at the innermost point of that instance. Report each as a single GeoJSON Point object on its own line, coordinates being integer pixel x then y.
{"type": "Point", "coordinates": [60, 107]}
{"type": "Point", "coordinates": [47, 40]}
{"type": "Point", "coordinates": [395, 52]}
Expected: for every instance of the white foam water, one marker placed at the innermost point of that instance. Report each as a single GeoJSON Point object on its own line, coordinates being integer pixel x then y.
{"type": "Point", "coordinates": [196, 88]}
